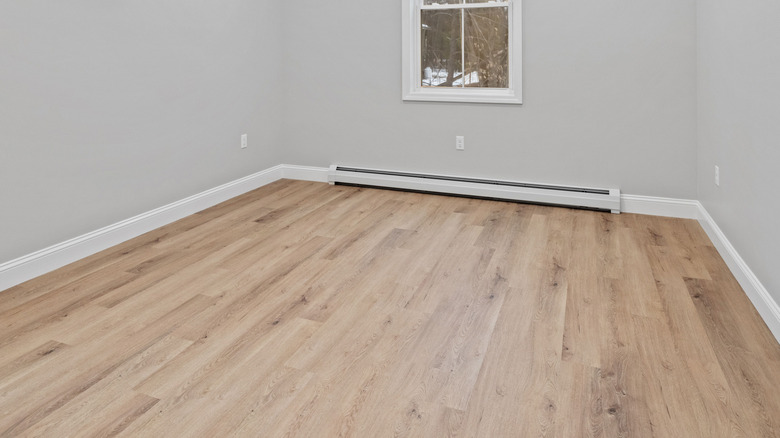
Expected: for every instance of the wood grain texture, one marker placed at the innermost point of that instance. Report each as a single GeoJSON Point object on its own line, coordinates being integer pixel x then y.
{"type": "Point", "coordinates": [303, 309]}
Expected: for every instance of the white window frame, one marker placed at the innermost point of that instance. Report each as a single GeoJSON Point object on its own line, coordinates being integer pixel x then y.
{"type": "Point", "coordinates": [412, 59]}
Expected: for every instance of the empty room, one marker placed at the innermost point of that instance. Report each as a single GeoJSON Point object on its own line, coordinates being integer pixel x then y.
{"type": "Point", "coordinates": [414, 218]}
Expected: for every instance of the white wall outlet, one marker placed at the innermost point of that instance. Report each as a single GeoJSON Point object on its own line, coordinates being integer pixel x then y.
{"type": "Point", "coordinates": [244, 141]}
{"type": "Point", "coordinates": [717, 176]}
{"type": "Point", "coordinates": [460, 143]}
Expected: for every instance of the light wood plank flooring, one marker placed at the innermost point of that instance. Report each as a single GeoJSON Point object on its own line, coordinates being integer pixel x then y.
{"type": "Point", "coordinates": [302, 309]}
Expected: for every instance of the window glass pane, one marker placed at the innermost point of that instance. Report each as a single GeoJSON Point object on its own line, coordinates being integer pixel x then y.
{"type": "Point", "coordinates": [487, 47]}
{"type": "Point", "coordinates": [442, 63]}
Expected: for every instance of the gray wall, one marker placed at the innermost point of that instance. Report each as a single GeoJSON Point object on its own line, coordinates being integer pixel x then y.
{"type": "Point", "coordinates": [739, 127]}
{"type": "Point", "coordinates": [610, 97]}
{"type": "Point", "coordinates": [111, 109]}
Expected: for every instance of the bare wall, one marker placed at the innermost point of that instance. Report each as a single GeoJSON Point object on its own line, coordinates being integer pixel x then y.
{"type": "Point", "coordinates": [609, 91]}
{"type": "Point", "coordinates": [739, 67]}
{"type": "Point", "coordinates": [111, 109]}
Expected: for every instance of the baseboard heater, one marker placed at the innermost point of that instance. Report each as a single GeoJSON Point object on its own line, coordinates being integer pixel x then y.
{"type": "Point", "coordinates": [578, 197]}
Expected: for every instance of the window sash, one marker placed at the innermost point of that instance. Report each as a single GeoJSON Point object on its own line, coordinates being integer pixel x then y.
{"type": "Point", "coordinates": [418, 56]}
{"type": "Point", "coordinates": [412, 58]}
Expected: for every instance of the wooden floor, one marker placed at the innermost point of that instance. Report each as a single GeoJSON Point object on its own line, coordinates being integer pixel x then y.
{"type": "Point", "coordinates": [302, 309]}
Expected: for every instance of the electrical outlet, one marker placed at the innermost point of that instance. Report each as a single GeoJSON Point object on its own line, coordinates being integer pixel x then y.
{"type": "Point", "coordinates": [460, 143]}
{"type": "Point", "coordinates": [244, 141]}
{"type": "Point", "coordinates": [717, 176]}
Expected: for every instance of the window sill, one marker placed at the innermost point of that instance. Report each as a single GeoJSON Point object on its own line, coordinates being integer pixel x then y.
{"type": "Point", "coordinates": [465, 96]}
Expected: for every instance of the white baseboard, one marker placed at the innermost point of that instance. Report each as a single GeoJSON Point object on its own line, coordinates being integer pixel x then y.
{"type": "Point", "coordinates": [669, 207]}
{"type": "Point", "coordinates": [40, 262]}
{"type": "Point", "coordinates": [650, 205]}
{"type": "Point", "coordinates": [305, 173]}
{"type": "Point", "coordinates": [766, 305]}
{"type": "Point", "coordinates": [46, 260]}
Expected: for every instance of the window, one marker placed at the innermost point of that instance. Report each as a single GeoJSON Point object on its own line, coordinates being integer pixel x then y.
{"type": "Point", "coordinates": [462, 51]}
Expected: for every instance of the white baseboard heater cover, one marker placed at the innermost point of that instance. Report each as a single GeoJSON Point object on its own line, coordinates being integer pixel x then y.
{"type": "Point", "coordinates": [580, 197]}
